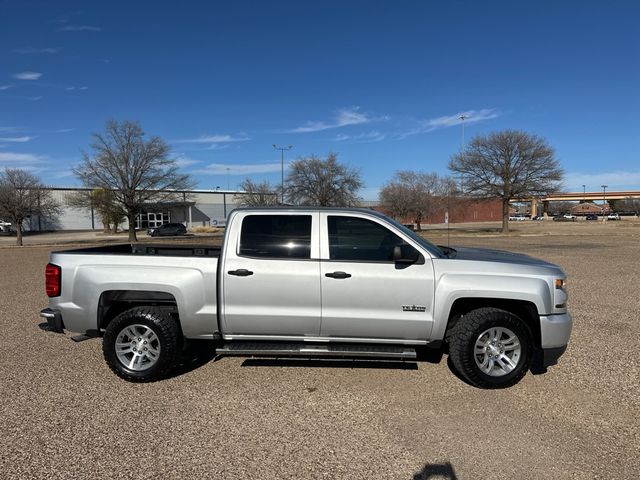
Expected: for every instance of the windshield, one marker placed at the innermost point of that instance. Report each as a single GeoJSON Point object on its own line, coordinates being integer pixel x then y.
{"type": "Point", "coordinates": [430, 247]}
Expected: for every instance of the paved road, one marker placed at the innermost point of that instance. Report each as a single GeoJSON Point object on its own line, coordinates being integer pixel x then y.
{"type": "Point", "coordinates": [64, 415]}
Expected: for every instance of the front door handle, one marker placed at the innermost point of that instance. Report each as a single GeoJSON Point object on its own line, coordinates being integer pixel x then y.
{"type": "Point", "coordinates": [338, 275]}
{"type": "Point", "coordinates": [243, 272]}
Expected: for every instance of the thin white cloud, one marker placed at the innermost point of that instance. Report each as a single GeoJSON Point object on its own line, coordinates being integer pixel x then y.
{"type": "Point", "coordinates": [35, 99]}
{"type": "Point", "coordinates": [618, 179]}
{"type": "Point", "coordinates": [32, 50]}
{"type": "Point", "coordinates": [372, 136]}
{"type": "Point", "coordinates": [64, 130]}
{"type": "Point", "coordinates": [343, 117]}
{"type": "Point", "coordinates": [27, 75]}
{"type": "Point", "coordinates": [22, 139]}
{"type": "Point", "coordinates": [468, 117]}
{"type": "Point", "coordinates": [217, 146]}
{"type": "Point", "coordinates": [183, 161]}
{"type": "Point", "coordinates": [235, 169]}
{"type": "Point", "coordinates": [10, 129]}
{"type": "Point", "coordinates": [214, 139]}
{"type": "Point", "coordinates": [19, 158]}
{"type": "Point", "coordinates": [79, 28]}
{"type": "Point", "coordinates": [6, 87]}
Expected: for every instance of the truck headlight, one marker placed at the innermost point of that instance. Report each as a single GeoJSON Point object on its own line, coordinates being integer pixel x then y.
{"type": "Point", "coordinates": [561, 293]}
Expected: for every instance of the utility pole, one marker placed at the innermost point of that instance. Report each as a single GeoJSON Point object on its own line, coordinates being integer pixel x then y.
{"type": "Point", "coordinates": [282, 150]}
{"type": "Point", "coordinates": [227, 178]}
{"type": "Point", "coordinates": [604, 198]}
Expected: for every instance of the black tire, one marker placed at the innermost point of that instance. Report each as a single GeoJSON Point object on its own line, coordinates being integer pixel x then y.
{"type": "Point", "coordinates": [165, 329]}
{"type": "Point", "coordinates": [462, 339]}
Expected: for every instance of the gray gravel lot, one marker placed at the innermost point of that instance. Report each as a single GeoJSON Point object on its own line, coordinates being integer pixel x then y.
{"type": "Point", "coordinates": [64, 415]}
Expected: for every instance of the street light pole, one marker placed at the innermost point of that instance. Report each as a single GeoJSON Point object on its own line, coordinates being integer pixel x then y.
{"type": "Point", "coordinates": [282, 150]}
{"type": "Point", "coordinates": [584, 193]}
{"type": "Point", "coordinates": [462, 118]}
{"type": "Point", "coordinates": [227, 178]}
{"type": "Point", "coordinates": [604, 198]}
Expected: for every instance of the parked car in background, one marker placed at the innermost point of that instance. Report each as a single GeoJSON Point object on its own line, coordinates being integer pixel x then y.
{"type": "Point", "coordinates": [168, 230]}
{"type": "Point", "coordinates": [613, 216]}
{"type": "Point", "coordinates": [5, 227]}
{"type": "Point", "coordinates": [591, 216]}
{"type": "Point", "coordinates": [518, 218]}
{"type": "Point", "coordinates": [567, 217]}
{"type": "Point", "coordinates": [537, 218]}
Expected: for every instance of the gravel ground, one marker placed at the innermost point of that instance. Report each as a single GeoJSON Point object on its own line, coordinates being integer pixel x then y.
{"type": "Point", "coordinates": [64, 415]}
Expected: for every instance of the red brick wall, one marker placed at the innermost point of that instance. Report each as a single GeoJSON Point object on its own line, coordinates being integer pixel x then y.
{"type": "Point", "coordinates": [463, 211]}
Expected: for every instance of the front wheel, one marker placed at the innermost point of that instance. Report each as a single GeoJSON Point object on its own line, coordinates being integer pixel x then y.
{"type": "Point", "coordinates": [490, 348]}
{"type": "Point", "coordinates": [140, 344]}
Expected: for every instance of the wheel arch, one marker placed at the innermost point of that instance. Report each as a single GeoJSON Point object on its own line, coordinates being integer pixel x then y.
{"type": "Point", "coordinates": [113, 302]}
{"type": "Point", "coordinates": [525, 310]}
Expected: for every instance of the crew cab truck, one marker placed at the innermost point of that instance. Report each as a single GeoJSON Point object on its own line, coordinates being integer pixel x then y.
{"type": "Point", "coordinates": [313, 282]}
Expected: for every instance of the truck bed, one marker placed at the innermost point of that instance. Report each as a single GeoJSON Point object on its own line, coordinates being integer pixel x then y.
{"type": "Point", "coordinates": [146, 249]}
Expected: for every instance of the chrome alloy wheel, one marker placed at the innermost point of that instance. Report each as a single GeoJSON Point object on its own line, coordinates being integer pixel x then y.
{"type": "Point", "coordinates": [137, 347]}
{"type": "Point", "coordinates": [497, 351]}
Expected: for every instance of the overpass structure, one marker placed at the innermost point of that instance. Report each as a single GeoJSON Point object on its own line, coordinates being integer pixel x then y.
{"type": "Point", "coordinates": [577, 197]}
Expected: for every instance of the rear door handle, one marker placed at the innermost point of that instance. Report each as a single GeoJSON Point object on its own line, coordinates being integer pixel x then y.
{"type": "Point", "coordinates": [243, 272]}
{"type": "Point", "coordinates": [338, 275]}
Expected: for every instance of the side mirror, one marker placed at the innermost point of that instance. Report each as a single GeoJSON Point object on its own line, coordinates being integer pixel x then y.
{"type": "Point", "coordinates": [405, 254]}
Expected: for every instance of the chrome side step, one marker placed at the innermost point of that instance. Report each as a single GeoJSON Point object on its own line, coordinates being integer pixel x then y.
{"type": "Point", "coordinates": [282, 349]}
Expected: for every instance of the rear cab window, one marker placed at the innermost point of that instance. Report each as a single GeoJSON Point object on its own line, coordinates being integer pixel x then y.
{"type": "Point", "coordinates": [276, 236]}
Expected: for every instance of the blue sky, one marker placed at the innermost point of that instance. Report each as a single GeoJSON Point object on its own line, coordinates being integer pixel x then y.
{"type": "Point", "coordinates": [380, 83]}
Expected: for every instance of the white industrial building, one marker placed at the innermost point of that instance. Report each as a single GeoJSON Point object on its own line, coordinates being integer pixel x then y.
{"type": "Point", "coordinates": [195, 208]}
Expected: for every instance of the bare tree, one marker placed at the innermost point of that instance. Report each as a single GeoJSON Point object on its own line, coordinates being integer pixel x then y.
{"type": "Point", "coordinates": [508, 164]}
{"type": "Point", "coordinates": [416, 195]}
{"type": "Point", "coordinates": [257, 194]}
{"type": "Point", "coordinates": [103, 202]}
{"type": "Point", "coordinates": [137, 171]}
{"type": "Point", "coordinates": [322, 182]}
{"type": "Point", "coordinates": [22, 196]}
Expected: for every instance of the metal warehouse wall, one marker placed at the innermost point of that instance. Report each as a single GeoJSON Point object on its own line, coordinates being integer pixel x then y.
{"type": "Point", "coordinates": [213, 204]}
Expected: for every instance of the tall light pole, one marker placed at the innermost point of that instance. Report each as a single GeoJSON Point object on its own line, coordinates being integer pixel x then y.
{"type": "Point", "coordinates": [462, 118]}
{"type": "Point", "coordinates": [584, 193]}
{"type": "Point", "coordinates": [604, 198]}
{"type": "Point", "coordinates": [282, 150]}
{"type": "Point", "coordinates": [227, 178]}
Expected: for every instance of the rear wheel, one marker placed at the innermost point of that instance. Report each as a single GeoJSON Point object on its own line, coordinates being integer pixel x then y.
{"type": "Point", "coordinates": [490, 348]}
{"type": "Point", "coordinates": [140, 344]}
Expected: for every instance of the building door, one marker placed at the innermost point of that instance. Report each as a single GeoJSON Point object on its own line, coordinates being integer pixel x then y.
{"type": "Point", "coordinates": [155, 219]}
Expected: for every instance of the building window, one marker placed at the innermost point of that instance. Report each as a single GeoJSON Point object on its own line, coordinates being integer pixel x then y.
{"type": "Point", "coordinates": [152, 219]}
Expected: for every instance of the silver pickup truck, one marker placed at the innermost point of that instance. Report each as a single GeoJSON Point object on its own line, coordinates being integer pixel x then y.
{"type": "Point", "coordinates": [314, 282]}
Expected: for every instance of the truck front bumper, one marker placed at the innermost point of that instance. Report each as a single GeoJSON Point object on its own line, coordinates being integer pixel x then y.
{"type": "Point", "coordinates": [54, 320]}
{"type": "Point", "coordinates": [555, 331]}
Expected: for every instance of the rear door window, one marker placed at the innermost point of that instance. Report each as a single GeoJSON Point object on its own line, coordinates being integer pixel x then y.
{"type": "Point", "coordinates": [276, 236]}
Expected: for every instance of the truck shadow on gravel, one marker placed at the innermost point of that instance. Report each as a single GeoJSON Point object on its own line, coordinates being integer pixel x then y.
{"type": "Point", "coordinates": [195, 355]}
{"type": "Point", "coordinates": [430, 471]}
{"type": "Point", "coordinates": [328, 363]}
